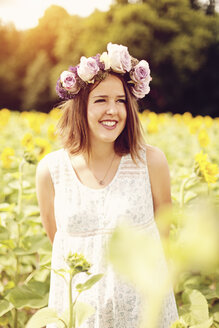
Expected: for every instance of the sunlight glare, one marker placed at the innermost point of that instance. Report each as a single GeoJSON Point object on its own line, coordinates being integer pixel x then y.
{"type": "Point", "coordinates": [24, 14]}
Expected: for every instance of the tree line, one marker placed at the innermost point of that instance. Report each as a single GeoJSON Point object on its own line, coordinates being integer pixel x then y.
{"type": "Point", "coordinates": [179, 39]}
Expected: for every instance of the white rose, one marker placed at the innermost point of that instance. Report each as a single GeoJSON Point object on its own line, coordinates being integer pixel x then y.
{"type": "Point", "coordinates": [104, 58]}
{"type": "Point", "coordinates": [120, 60]}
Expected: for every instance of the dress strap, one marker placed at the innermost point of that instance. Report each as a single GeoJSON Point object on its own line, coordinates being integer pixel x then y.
{"type": "Point", "coordinates": [129, 168]}
{"type": "Point", "coordinates": [55, 165]}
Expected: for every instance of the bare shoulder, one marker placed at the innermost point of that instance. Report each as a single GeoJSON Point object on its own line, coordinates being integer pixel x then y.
{"type": "Point", "coordinates": [156, 158]}
{"type": "Point", "coordinates": [159, 176]}
{"type": "Point", "coordinates": [45, 196]}
{"type": "Point", "coordinates": [43, 175]}
{"type": "Point", "coordinates": [42, 169]}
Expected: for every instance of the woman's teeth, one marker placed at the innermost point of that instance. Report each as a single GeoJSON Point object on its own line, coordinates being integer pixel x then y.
{"type": "Point", "coordinates": [109, 123]}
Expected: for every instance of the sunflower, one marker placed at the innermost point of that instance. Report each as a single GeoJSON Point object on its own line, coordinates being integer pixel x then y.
{"type": "Point", "coordinates": [6, 157]}
{"type": "Point", "coordinates": [205, 169]}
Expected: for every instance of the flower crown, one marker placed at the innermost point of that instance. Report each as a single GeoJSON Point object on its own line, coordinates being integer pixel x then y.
{"type": "Point", "coordinates": [117, 59]}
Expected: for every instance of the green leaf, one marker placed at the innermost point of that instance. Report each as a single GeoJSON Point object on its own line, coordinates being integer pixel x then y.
{"type": "Point", "coordinates": [216, 317]}
{"type": "Point", "coordinates": [41, 288]}
{"type": "Point", "coordinates": [5, 207]}
{"type": "Point", "coordinates": [208, 293]}
{"type": "Point", "coordinates": [195, 308]}
{"type": "Point", "coordinates": [217, 290]}
{"type": "Point", "coordinates": [206, 324]}
{"type": "Point", "coordinates": [89, 283]}
{"type": "Point", "coordinates": [81, 310]}
{"type": "Point", "coordinates": [29, 191]}
{"type": "Point", "coordinates": [45, 259]}
{"type": "Point", "coordinates": [8, 243]}
{"type": "Point", "coordinates": [192, 182]}
{"type": "Point", "coordinates": [24, 296]}
{"type": "Point", "coordinates": [4, 321]}
{"type": "Point", "coordinates": [31, 210]}
{"type": "Point", "coordinates": [21, 251]}
{"type": "Point", "coordinates": [5, 306]}
{"type": "Point", "coordinates": [4, 234]}
{"type": "Point", "coordinates": [61, 272]}
{"type": "Point", "coordinates": [42, 318]}
{"type": "Point", "coordinates": [37, 243]}
{"type": "Point", "coordinates": [189, 195]}
{"type": "Point", "coordinates": [16, 184]}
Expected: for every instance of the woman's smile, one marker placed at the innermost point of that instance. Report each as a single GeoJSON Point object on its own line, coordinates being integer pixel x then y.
{"type": "Point", "coordinates": [109, 124]}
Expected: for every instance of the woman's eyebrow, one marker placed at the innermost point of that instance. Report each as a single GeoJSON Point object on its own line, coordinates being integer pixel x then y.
{"type": "Point", "coordinates": [105, 96]}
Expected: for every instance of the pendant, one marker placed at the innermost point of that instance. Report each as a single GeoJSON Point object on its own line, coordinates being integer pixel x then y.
{"type": "Point", "coordinates": [101, 182]}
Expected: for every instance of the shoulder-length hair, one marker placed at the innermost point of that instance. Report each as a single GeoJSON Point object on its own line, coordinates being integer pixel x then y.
{"type": "Point", "coordinates": [73, 130]}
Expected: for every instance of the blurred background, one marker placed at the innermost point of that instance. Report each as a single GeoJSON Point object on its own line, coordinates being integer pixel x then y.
{"type": "Point", "coordinates": [179, 39]}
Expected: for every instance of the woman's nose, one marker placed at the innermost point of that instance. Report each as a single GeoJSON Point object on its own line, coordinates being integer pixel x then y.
{"type": "Point", "coordinates": [111, 108]}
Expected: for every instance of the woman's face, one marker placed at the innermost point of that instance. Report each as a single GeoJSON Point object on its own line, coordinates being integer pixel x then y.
{"type": "Point", "coordinates": [106, 110]}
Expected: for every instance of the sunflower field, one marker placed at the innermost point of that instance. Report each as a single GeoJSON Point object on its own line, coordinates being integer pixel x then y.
{"type": "Point", "coordinates": [192, 247]}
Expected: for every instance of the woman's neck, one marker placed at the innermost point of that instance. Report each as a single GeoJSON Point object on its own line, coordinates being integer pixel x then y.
{"type": "Point", "coordinates": [101, 152]}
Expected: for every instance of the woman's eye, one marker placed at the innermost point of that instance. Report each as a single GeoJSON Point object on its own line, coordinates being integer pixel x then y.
{"type": "Point", "coordinates": [99, 100]}
{"type": "Point", "coordinates": [122, 101]}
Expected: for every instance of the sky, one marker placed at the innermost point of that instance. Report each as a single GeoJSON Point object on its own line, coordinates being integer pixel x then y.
{"type": "Point", "coordinates": [25, 13]}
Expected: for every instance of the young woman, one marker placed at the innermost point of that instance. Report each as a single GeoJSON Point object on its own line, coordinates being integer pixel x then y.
{"type": "Point", "coordinates": [103, 173]}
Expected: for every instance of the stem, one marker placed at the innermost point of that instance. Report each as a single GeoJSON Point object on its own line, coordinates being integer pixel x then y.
{"type": "Point", "coordinates": [15, 318]}
{"type": "Point", "coordinates": [182, 189]}
{"type": "Point", "coordinates": [208, 189]}
{"type": "Point", "coordinates": [17, 272]}
{"type": "Point", "coordinates": [71, 323]}
{"type": "Point", "coordinates": [30, 277]}
{"type": "Point", "coordinates": [63, 322]}
{"type": "Point", "coordinates": [76, 299]}
{"type": "Point", "coordinates": [20, 190]}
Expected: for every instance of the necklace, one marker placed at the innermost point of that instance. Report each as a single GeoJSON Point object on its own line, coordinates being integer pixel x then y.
{"type": "Point", "coordinates": [101, 181]}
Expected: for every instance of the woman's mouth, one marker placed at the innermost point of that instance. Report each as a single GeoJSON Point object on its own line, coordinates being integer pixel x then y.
{"type": "Point", "coordinates": [109, 124]}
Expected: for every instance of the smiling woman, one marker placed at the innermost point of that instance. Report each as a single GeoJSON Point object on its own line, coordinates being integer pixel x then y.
{"type": "Point", "coordinates": [103, 173]}
{"type": "Point", "coordinates": [24, 14]}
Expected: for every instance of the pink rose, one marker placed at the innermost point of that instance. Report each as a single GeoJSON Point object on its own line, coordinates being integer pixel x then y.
{"type": "Point", "coordinates": [141, 72]}
{"type": "Point", "coordinates": [87, 69]}
{"type": "Point", "coordinates": [120, 60]}
{"type": "Point", "coordinates": [69, 82]}
{"type": "Point", "coordinates": [141, 89]}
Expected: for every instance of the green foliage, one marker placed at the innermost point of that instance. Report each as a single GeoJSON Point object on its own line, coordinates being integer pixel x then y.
{"type": "Point", "coordinates": [67, 46]}
{"type": "Point", "coordinates": [45, 316]}
{"type": "Point", "coordinates": [20, 247]}
{"type": "Point", "coordinates": [42, 318]}
{"type": "Point", "coordinates": [89, 283]}
{"type": "Point", "coordinates": [177, 37]}
{"type": "Point", "coordinates": [36, 82]}
{"type": "Point", "coordinates": [195, 309]}
{"type": "Point", "coordinates": [10, 39]}
{"type": "Point", "coordinates": [34, 295]}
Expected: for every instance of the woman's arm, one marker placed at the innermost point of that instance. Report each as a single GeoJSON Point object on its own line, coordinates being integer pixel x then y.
{"type": "Point", "coordinates": [45, 196]}
{"type": "Point", "coordinates": [159, 178]}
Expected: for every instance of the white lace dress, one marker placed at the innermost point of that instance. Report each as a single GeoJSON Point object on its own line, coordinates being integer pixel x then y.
{"type": "Point", "coordinates": [85, 219]}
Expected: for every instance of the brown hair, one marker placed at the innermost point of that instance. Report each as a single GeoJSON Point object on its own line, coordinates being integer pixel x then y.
{"type": "Point", "coordinates": [72, 127]}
